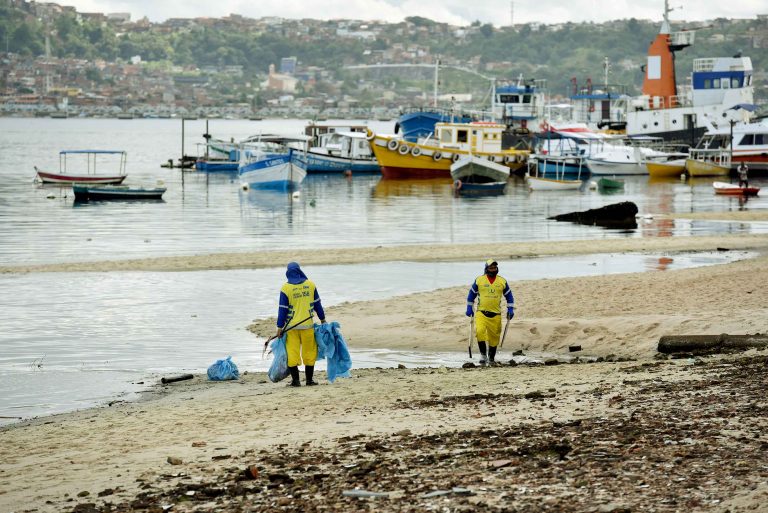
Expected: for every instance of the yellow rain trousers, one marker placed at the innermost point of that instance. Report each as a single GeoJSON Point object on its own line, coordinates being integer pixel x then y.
{"type": "Point", "coordinates": [487, 329]}
{"type": "Point", "coordinates": [301, 346]}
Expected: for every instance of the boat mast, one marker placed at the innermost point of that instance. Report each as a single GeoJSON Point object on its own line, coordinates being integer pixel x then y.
{"type": "Point", "coordinates": [437, 71]}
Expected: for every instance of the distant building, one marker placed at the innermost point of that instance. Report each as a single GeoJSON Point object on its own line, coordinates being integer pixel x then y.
{"type": "Point", "coordinates": [288, 65]}
{"type": "Point", "coordinates": [280, 81]}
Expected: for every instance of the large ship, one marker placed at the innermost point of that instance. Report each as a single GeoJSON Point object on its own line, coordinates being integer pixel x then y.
{"type": "Point", "coordinates": [682, 113]}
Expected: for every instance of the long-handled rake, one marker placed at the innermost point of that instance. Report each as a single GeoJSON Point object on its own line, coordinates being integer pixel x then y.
{"type": "Point", "coordinates": [273, 337]}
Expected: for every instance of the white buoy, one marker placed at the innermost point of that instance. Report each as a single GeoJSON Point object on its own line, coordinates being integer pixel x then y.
{"type": "Point", "coordinates": [296, 195]}
{"type": "Point", "coordinates": [682, 176]}
{"type": "Point", "coordinates": [593, 185]}
{"type": "Point", "coordinates": [51, 196]}
{"type": "Point", "coordinates": [244, 186]}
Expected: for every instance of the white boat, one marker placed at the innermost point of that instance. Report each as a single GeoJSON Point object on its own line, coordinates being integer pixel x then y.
{"type": "Point", "coordinates": [750, 141]}
{"type": "Point", "coordinates": [672, 111]}
{"type": "Point", "coordinates": [338, 152]}
{"type": "Point", "coordinates": [552, 184]}
{"type": "Point", "coordinates": [627, 160]}
{"type": "Point", "coordinates": [263, 170]}
{"type": "Point", "coordinates": [734, 190]}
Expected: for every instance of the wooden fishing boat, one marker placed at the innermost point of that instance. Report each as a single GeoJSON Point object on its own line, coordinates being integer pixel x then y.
{"type": "Point", "coordinates": [706, 162]}
{"type": "Point", "coordinates": [432, 158]}
{"type": "Point", "coordinates": [668, 169]}
{"type": "Point", "coordinates": [86, 174]}
{"type": "Point", "coordinates": [734, 190]}
{"type": "Point", "coordinates": [548, 172]}
{"type": "Point", "coordinates": [86, 192]}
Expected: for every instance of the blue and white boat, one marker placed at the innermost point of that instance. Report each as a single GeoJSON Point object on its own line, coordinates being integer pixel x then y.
{"type": "Point", "coordinates": [259, 169]}
{"type": "Point", "coordinates": [339, 152]}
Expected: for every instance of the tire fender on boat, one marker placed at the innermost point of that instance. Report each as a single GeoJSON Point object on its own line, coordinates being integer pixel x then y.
{"type": "Point", "coordinates": [393, 145]}
{"type": "Point", "coordinates": [457, 185]}
{"type": "Point", "coordinates": [455, 157]}
{"type": "Point", "coordinates": [403, 149]}
{"type": "Point", "coordinates": [369, 134]}
{"type": "Point", "coordinates": [415, 151]}
{"type": "Point", "coordinates": [509, 159]}
{"type": "Point", "coordinates": [436, 156]}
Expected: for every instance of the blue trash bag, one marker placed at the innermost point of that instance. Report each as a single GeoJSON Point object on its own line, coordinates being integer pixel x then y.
{"type": "Point", "coordinates": [223, 370]}
{"type": "Point", "coordinates": [332, 346]}
{"type": "Point", "coordinates": [278, 371]}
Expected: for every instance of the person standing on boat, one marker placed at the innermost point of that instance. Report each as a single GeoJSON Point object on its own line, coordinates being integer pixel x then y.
{"type": "Point", "coordinates": [299, 301]}
{"type": "Point", "coordinates": [743, 175]}
{"type": "Point", "coordinates": [488, 289]}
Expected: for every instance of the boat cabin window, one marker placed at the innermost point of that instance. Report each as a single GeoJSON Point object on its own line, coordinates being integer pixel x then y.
{"type": "Point", "coordinates": [527, 98]}
{"type": "Point", "coordinates": [707, 83]}
{"type": "Point", "coordinates": [753, 140]}
{"type": "Point", "coordinates": [446, 136]}
{"type": "Point", "coordinates": [509, 98]}
{"type": "Point", "coordinates": [735, 83]}
{"type": "Point", "coordinates": [716, 83]}
{"type": "Point", "coordinates": [461, 136]}
{"type": "Point", "coordinates": [726, 83]}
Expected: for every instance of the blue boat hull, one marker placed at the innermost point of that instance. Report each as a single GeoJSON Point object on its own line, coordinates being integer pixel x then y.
{"type": "Point", "coordinates": [480, 189]}
{"type": "Point", "coordinates": [550, 169]}
{"type": "Point", "coordinates": [214, 166]}
{"type": "Point", "coordinates": [414, 125]}
{"type": "Point", "coordinates": [316, 163]}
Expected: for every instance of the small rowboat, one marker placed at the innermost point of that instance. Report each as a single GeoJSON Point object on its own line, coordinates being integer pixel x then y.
{"type": "Point", "coordinates": [734, 190]}
{"type": "Point", "coordinates": [116, 192]}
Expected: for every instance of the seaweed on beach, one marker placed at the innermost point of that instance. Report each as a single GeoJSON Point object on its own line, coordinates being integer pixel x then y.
{"type": "Point", "coordinates": [679, 445]}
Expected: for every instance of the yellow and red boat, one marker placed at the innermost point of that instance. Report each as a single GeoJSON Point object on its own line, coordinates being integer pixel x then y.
{"type": "Point", "coordinates": [432, 157]}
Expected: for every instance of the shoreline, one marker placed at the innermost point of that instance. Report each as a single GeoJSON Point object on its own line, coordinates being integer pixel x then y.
{"type": "Point", "coordinates": [415, 253]}
{"type": "Point", "coordinates": [576, 436]}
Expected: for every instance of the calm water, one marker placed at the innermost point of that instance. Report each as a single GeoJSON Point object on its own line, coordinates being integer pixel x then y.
{"type": "Point", "coordinates": [73, 340]}
{"type": "Point", "coordinates": [210, 213]}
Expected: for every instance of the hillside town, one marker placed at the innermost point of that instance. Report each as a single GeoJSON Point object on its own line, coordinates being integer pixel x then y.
{"type": "Point", "coordinates": [147, 86]}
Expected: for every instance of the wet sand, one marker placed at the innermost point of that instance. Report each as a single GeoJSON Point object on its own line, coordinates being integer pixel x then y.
{"type": "Point", "coordinates": [632, 432]}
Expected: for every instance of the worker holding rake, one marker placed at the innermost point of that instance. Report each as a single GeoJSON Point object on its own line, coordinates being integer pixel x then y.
{"type": "Point", "coordinates": [489, 289]}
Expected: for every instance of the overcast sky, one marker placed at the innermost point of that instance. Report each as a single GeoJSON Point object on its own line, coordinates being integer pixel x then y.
{"type": "Point", "coordinates": [456, 12]}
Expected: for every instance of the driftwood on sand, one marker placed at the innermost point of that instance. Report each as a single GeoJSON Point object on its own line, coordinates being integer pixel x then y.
{"type": "Point", "coordinates": [711, 343]}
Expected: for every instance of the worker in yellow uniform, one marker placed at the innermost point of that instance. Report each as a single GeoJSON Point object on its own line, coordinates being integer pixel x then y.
{"type": "Point", "coordinates": [299, 301]}
{"type": "Point", "coordinates": [488, 289]}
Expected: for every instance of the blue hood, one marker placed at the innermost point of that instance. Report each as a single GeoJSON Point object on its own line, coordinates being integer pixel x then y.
{"type": "Point", "coordinates": [294, 274]}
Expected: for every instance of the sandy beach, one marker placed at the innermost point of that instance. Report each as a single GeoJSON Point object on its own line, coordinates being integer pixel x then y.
{"type": "Point", "coordinates": [634, 431]}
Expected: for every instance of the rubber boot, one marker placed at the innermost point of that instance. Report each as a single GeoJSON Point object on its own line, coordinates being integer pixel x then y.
{"type": "Point", "coordinates": [483, 357]}
{"type": "Point", "coordinates": [492, 355]}
{"type": "Point", "coordinates": [309, 371]}
{"type": "Point", "coordinates": [295, 381]}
